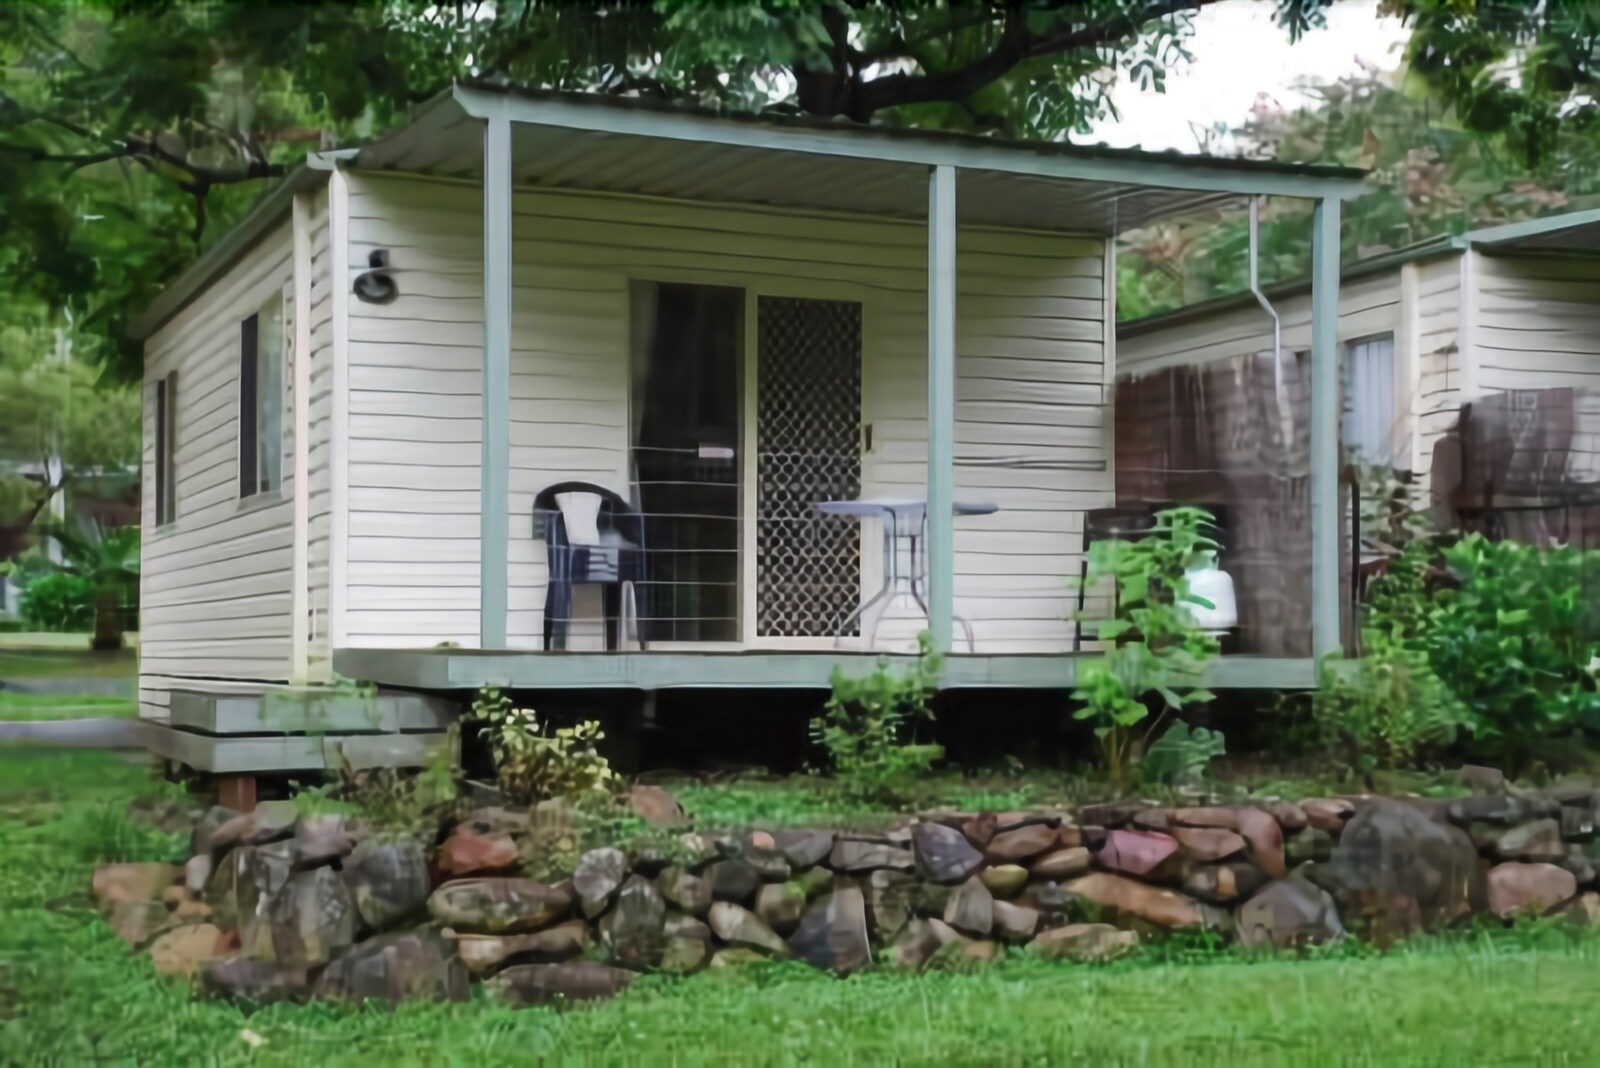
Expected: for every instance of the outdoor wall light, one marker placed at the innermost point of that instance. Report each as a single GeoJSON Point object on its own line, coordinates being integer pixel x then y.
{"type": "Point", "coordinates": [375, 286]}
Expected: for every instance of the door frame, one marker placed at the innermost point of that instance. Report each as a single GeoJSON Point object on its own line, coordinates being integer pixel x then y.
{"type": "Point", "coordinates": [869, 569]}
{"type": "Point", "coordinates": [755, 287]}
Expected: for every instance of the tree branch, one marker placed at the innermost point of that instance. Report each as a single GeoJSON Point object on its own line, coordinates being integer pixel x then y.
{"type": "Point", "coordinates": [1014, 47]}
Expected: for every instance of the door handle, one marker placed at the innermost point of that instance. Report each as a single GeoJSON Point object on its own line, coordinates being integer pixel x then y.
{"type": "Point", "coordinates": [866, 437]}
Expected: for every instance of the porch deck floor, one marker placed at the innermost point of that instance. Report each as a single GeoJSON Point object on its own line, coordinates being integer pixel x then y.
{"type": "Point", "coordinates": [469, 669]}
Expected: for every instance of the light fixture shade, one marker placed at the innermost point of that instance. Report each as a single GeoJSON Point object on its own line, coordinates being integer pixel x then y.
{"type": "Point", "coordinates": [1213, 584]}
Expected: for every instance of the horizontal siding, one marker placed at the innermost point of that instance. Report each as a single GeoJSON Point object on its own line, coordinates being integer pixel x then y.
{"type": "Point", "coordinates": [1538, 327]}
{"type": "Point", "coordinates": [1436, 406]}
{"type": "Point", "coordinates": [215, 584]}
{"type": "Point", "coordinates": [1030, 394]}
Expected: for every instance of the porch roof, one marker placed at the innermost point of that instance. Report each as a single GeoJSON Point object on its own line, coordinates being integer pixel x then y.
{"type": "Point", "coordinates": [625, 145]}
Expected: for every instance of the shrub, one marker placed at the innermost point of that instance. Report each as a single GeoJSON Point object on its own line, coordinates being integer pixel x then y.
{"type": "Point", "coordinates": [59, 601]}
{"type": "Point", "coordinates": [868, 725]}
{"type": "Point", "coordinates": [534, 762]}
{"type": "Point", "coordinates": [1157, 649]}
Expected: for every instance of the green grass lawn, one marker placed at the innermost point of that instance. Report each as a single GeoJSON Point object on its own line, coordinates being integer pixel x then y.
{"type": "Point", "coordinates": [32, 706]}
{"type": "Point", "coordinates": [71, 994]}
{"type": "Point", "coordinates": [56, 663]}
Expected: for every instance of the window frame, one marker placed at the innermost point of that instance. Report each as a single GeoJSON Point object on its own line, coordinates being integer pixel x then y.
{"type": "Point", "coordinates": [166, 448]}
{"type": "Point", "coordinates": [256, 405]}
{"type": "Point", "coordinates": [1353, 451]}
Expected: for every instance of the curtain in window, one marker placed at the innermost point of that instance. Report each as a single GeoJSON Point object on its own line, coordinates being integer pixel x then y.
{"type": "Point", "coordinates": [1369, 408]}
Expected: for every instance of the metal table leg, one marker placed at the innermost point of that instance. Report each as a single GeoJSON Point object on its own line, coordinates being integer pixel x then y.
{"type": "Point", "coordinates": [879, 602]}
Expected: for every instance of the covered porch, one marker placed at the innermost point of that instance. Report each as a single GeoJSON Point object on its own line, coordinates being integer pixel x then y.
{"type": "Point", "coordinates": [761, 382]}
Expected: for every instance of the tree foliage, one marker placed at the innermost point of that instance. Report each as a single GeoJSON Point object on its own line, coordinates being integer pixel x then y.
{"type": "Point", "coordinates": [132, 133]}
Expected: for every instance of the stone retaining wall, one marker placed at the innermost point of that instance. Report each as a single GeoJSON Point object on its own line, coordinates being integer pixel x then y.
{"type": "Point", "coordinates": [271, 906]}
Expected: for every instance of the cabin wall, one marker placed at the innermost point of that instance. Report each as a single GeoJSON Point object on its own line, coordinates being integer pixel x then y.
{"type": "Point", "coordinates": [320, 449]}
{"type": "Point", "coordinates": [1031, 394]}
{"type": "Point", "coordinates": [1537, 326]}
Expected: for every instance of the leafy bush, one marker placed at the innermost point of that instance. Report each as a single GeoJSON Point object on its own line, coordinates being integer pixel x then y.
{"type": "Point", "coordinates": [59, 601]}
{"type": "Point", "coordinates": [868, 724]}
{"type": "Point", "coordinates": [393, 800]}
{"type": "Point", "coordinates": [1157, 648]}
{"type": "Point", "coordinates": [534, 762]}
{"type": "Point", "coordinates": [1181, 755]}
{"type": "Point", "coordinates": [1513, 637]}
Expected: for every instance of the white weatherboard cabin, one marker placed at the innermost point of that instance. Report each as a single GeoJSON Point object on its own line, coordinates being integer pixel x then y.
{"type": "Point", "coordinates": [1422, 331]}
{"type": "Point", "coordinates": [754, 345]}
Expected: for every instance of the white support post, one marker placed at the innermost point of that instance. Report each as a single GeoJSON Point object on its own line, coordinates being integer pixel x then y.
{"type": "Point", "coordinates": [1325, 518]}
{"type": "Point", "coordinates": [494, 532]}
{"type": "Point", "coordinates": [300, 586]}
{"type": "Point", "coordinates": [941, 403]}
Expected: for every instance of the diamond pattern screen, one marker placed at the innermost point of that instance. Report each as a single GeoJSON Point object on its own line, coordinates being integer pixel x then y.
{"type": "Point", "coordinates": [808, 449]}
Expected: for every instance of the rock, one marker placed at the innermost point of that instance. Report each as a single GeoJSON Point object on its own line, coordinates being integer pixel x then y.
{"type": "Point", "coordinates": [136, 922]}
{"type": "Point", "coordinates": [196, 872]}
{"type": "Point", "coordinates": [1289, 912]}
{"type": "Point", "coordinates": [206, 826]}
{"type": "Point", "coordinates": [1207, 845]}
{"type": "Point", "coordinates": [1584, 909]}
{"type": "Point", "coordinates": [254, 982]}
{"type": "Point", "coordinates": [1578, 863]}
{"type": "Point", "coordinates": [804, 849]}
{"type": "Point", "coordinates": [466, 853]}
{"type": "Point", "coordinates": [769, 865]}
{"type": "Point", "coordinates": [690, 893]}
{"type": "Point", "coordinates": [928, 900]}
{"type": "Point", "coordinates": [1328, 814]}
{"type": "Point", "coordinates": [971, 909]}
{"type": "Point", "coordinates": [632, 930]}
{"type": "Point", "coordinates": [1501, 810]}
{"type": "Point", "coordinates": [1014, 923]}
{"type": "Point", "coordinates": [598, 877]}
{"type": "Point", "coordinates": [1539, 840]}
{"type": "Point", "coordinates": [889, 902]}
{"type": "Point", "coordinates": [131, 882]}
{"type": "Point", "coordinates": [1223, 883]}
{"type": "Point", "coordinates": [316, 909]}
{"type": "Point", "coordinates": [943, 854]}
{"type": "Point", "coordinates": [1053, 903]}
{"type": "Point", "coordinates": [272, 821]}
{"type": "Point", "coordinates": [174, 895]}
{"type": "Point", "coordinates": [1071, 836]}
{"type": "Point", "coordinates": [780, 905]}
{"type": "Point", "coordinates": [498, 905]}
{"type": "Point", "coordinates": [1004, 880]}
{"type": "Point", "coordinates": [1291, 817]}
{"type": "Point", "coordinates": [579, 980]}
{"type": "Point", "coordinates": [182, 950]}
{"type": "Point", "coordinates": [1528, 888]}
{"type": "Point", "coordinates": [1577, 823]}
{"type": "Point", "coordinates": [1086, 942]}
{"type": "Point", "coordinates": [1060, 863]}
{"type": "Point", "coordinates": [388, 879]}
{"type": "Point", "coordinates": [1146, 855]}
{"type": "Point", "coordinates": [1261, 832]}
{"type": "Point", "coordinates": [395, 968]}
{"type": "Point", "coordinates": [245, 880]}
{"type": "Point", "coordinates": [854, 856]}
{"type": "Point", "coordinates": [979, 830]}
{"type": "Point", "coordinates": [1311, 844]}
{"type": "Point", "coordinates": [486, 954]}
{"type": "Point", "coordinates": [1112, 814]}
{"type": "Point", "coordinates": [1125, 896]}
{"type": "Point", "coordinates": [1395, 870]}
{"type": "Point", "coordinates": [497, 819]}
{"type": "Point", "coordinates": [1029, 840]}
{"type": "Point", "coordinates": [1481, 780]}
{"type": "Point", "coordinates": [192, 912]}
{"type": "Point", "coordinates": [917, 943]}
{"type": "Point", "coordinates": [1153, 819]}
{"type": "Point", "coordinates": [732, 880]}
{"type": "Point", "coordinates": [737, 957]}
{"type": "Point", "coordinates": [656, 806]}
{"type": "Point", "coordinates": [321, 840]}
{"type": "Point", "coordinates": [688, 945]}
{"type": "Point", "coordinates": [738, 926]}
{"type": "Point", "coordinates": [833, 933]}
{"type": "Point", "coordinates": [978, 951]}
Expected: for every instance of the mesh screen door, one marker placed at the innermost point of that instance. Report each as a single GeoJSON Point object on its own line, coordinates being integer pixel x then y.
{"type": "Point", "coordinates": [808, 449]}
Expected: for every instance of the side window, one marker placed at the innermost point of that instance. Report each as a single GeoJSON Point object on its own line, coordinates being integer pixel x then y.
{"type": "Point", "coordinates": [261, 360]}
{"type": "Point", "coordinates": [166, 445]}
{"type": "Point", "coordinates": [1368, 430]}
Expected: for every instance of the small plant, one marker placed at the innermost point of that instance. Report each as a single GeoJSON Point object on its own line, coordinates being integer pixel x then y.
{"type": "Point", "coordinates": [394, 801]}
{"type": "Point", "coordinates": [533, 762]}
{"type": "Point", "coordinates": [1157, 649]}
{"type": "Point", "coordinates": [868, 724]}
{"type": "Point", "coordinates": [1181, 755]}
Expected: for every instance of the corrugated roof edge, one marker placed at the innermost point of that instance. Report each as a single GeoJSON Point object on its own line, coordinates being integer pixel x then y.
{"type": "Point", "coordinates": [1435, 246]}
{"type": "Point", "coordinates": [932, 137]}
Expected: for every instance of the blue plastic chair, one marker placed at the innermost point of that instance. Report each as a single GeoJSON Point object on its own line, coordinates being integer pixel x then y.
{"type": "Point", "coordinates": [615, 563]}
